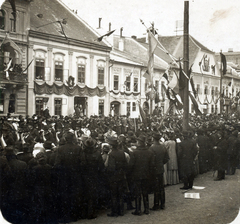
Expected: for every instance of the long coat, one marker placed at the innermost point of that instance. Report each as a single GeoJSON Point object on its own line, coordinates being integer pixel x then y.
{"type": "Point", "coordinates": [220, 155]}
{"type": "Point", "coordinates": [187, 151]}
{"type": "Point", "coordinates": [141, 163]}
{"type": "Point", "coordinates": [161, 157]}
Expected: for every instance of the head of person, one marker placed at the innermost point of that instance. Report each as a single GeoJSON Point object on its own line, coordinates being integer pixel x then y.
{"type": "Point", "coordinates": [141, 140]}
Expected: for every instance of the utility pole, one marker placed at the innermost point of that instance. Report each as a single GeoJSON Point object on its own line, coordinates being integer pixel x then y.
{"type": "Point", "coordinates": [186, 66]}
{"type": "Point", "coordinates": [221, 76]}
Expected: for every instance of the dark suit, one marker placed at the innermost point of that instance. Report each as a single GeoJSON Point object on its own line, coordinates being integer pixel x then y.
{"type": "Point", "coordinates": [141, 165]}
{"type": "Point", "coordinates": [67, 168]}
{"type": "Point", "coordinates": [15, 206]}
{"type": "Point", "coordinates": [187, 151]}
{"type": "Point", "coordinates": [116, 169]}
{"type": "Point", "coordinates": [161, 157]}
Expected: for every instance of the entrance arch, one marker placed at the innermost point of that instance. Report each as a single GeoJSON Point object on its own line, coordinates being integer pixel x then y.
{"type": "Point", "coordinates": [115, 108]}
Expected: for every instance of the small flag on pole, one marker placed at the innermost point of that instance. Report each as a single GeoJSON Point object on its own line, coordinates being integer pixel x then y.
{"type": "Point", "coordinates": [99, 39]}
{"type": "Point", "coordinates": [224, 64]}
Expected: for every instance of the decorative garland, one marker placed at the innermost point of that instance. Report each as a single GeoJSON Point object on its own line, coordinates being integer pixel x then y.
{"type": "Point", "coordinates": [68, 91]}
{"type": "Point", "coordinates": [124, 93]}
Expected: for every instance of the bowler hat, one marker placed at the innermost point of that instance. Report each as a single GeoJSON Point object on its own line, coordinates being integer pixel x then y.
{"type": "Point", "coordinates": [47, 145]}
{"type": "Point", "coordinates": [89, 142]}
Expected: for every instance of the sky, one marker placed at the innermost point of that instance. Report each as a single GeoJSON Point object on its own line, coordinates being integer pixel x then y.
{"type": "Point", "coordinates": [214, 23]}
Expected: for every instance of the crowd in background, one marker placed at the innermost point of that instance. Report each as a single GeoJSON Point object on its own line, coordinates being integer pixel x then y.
{"type": "Point", "coordinates": [56, 168]}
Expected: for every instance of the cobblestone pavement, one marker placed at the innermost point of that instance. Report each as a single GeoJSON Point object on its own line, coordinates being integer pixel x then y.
{"type": "Point", "coordinates": [219, 203]}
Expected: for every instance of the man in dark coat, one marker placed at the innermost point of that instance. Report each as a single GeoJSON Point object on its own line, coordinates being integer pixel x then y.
{"type": "Point", "coordinates": [141, 165]}
{"type": "Point", "coordinates": [68, 170]}
{"type": "Point", "coordinates": [116, 165]}
{"type": "Point", "coordinates": [187, 152]}
{"type": "Point", "coordinates": [41, 181]}
{"type": "Point", "coordinates": [15, 205]}
{"type": "Point", "coordinates": [91, 170]}
{"type": "Point", "coordinates": [161, 157]}
{"type": "Point", "coordinates": [220, 155]}
{"type": "Point", "coordinates": [232, 153]}
{"type": "Point", "coordinates": [203, 143]}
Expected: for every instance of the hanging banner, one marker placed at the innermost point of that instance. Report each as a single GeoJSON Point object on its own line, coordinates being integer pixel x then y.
{"type": "Point", "coordinates": [68, 91]}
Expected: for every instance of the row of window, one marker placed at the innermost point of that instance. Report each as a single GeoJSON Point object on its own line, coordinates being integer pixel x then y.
{"type": "Point", "coordinates": [43, 73]}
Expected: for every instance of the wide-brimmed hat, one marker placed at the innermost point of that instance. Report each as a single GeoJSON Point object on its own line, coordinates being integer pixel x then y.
{"type": "Point", "coordinates": [89, 142]}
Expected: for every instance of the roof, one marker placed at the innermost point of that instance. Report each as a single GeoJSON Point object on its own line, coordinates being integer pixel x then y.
{"type": "Point", "coordinates": [174, 45]}
{"type": "Point", "coordinates": [54, 10]}
{"type": "Point", "coordinates": [137, 51]}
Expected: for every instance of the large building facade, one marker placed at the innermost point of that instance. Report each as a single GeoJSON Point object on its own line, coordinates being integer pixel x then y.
{"type": "Point", "coordinates": [52, 58]}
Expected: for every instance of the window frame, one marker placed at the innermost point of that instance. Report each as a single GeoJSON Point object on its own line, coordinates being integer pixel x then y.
{"type": "Point", "coordinates": [81, 74]}
{"type": "Point", "coordinates": [101, 75]}
{"type": "Point", "coordinates": [42, 68]}
{"type": "Point", "coordinates": [135, 84]}
{"type": "Point", "coordinates": [116, 82]}
{"type": "Point", "coordinates": [58, 79]}
{"type": "Point", "coordinates": [56, 111]}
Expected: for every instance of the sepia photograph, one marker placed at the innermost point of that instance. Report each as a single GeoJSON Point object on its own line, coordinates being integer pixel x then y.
{"type": "Point", "coordinates": [119, 112]}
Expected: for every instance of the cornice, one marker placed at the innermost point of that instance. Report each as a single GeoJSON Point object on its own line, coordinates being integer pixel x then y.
{"type": "Point", "coordinates": [79, 43]}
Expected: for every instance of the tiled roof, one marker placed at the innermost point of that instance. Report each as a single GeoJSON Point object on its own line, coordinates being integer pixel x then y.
{"type": "Point", "coordinates": [138, 51]}
{"type": "Point", "coordinates": [54, 10]}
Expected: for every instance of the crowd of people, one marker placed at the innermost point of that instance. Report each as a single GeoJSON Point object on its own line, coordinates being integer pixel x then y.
{"type": "Point", "coordinates": [61, 169]}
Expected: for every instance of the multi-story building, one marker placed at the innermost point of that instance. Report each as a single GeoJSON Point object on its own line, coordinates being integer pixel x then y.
{"type": "Point", "coordinates": [230, 81]}
{"type": "Point", "coordinates": [14, 26]}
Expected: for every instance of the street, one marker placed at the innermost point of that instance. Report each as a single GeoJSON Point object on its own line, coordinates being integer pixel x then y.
{"type": "Point", "coordinates": [218, 204]}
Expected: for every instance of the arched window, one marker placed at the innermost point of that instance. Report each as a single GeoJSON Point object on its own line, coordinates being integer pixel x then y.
{"type": "Point", "coordinates": [2, 19]}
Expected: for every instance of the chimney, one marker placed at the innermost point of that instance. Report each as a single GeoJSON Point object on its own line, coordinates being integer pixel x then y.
{"type": "Point", "coordinates": [121, 31]}
{"type": "Point", "coordinates": [110, 27]}
{"type": "Point", "coordinates": [99, 22]}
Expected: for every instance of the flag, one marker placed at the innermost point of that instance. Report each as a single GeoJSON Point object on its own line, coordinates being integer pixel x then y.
{"type": "Point", "coordinates": [224, 64]}
{"type": "Point", "coordinates": [174, 83]}
{"type": "Point", "coordinates": [8, 66]}
{"type": "Point", "coordinates": [192, 87]}
{"type": "Point", "coordinates": [165, 75]}
{"type": "Point", "coordinates": [99, 39]}
{"type": "Point", "coordinates": [8, 43]}
{"type": "Point", "coordinates": [143, 116]}
{"type": "Point", "coordinates": [152, 46]}
{"type": "Point", "coordinates": [13, 5]}
{"type": "Point", "coordinates": [230, 88]}
{"type": "Point", "coordinates": [146, 75]}
{"type": "Point", "coordinates": [195, 104]}
{"type": "Point", "coordinates": [27, 67]}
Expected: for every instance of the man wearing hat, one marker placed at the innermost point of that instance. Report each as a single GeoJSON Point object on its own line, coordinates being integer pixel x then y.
{"type": "Point", "coordinates": [68, 168]}
{"type": "Point", "coordinates": [116, 165]}
{"type": "Point", "coordinates": [141, 165]}
{"type": "Point", "coordinates": [161, 157]}
{"type": "Point", "coordinates": [187, 151]}
{"type": "Point", "coordinates": [92, 169]}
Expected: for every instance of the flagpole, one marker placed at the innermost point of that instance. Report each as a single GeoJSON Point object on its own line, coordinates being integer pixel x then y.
{"type": "Point", "coordinates": [186, 67]}
{"type": "Point", "coordinates": [221, 76]}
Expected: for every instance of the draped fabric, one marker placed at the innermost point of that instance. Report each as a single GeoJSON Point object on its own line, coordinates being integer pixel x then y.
{"type": "Point", "coordinates": [68, 91]}
{"type": "Point", "coordinates": [124, 93]}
